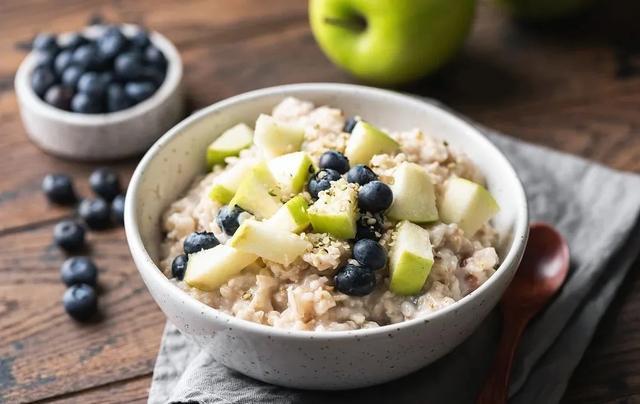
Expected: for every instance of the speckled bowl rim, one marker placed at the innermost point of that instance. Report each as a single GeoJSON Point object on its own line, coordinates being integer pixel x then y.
{"type": "Point", "coordinates": [147, 266]}
{"type": "Point", "coordinates": [169, 86]}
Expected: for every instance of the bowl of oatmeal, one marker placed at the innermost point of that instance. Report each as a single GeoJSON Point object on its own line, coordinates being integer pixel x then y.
{"type": "Point", "coordinates": [325, 236]}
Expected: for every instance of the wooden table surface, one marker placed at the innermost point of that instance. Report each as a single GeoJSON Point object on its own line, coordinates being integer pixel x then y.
{"type": "Point", "coordinates": [574, 88]}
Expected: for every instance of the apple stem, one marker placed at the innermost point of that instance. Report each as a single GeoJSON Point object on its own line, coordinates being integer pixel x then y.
{"type": "Point", "coordinates": [357, 24]}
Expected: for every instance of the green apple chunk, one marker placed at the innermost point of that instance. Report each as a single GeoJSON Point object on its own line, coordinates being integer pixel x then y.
{"type": "Point", "coordinates": [414, 197]}
{"type": "Point", "coordinates": [226, 183]}
{"type": "Point", "coordinates": [276, 138]}
{"type": "Point", "coordinates": [468, 204]}
{"type": "Point", "coordinates": [366, 141]}
{"type": "Point", "coordinates": [410, 259]}
{"type": "Point", "coordinates": [291, 171]}
{"type": "Point", "coordinates": [268, 242]}
{"type": "Point", "coordinates": [230, 143]}
{"type": "Point", "coordinates": [335, 211]}
{"type": "Point", "coordinates": [292, 216]}
{"type": "Point", "coordinates": [258, 192]}
{"type": "Point", "coordinates": [209, 269]}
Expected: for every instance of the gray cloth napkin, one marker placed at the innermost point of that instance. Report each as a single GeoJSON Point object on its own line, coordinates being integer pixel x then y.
{"type": "Point", "coordinates": [597, 210]}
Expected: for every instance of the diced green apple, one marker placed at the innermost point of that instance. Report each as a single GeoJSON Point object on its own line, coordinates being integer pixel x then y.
{"type": "Point", "coordinates": [209, 269]}
{"type": "Point", "coordinates": [410, 259]}
{"type": "Point", "coordinates": [414, 197]}
{"type": "Point", "coordinates": [226, 183]}
{"type": "Point", "coordinates": [258, 192]}
{"type": "Point", "coordinates": [291, 171]}
{"type": "Point", "coordinates": [277, 138]}
{"type": "Point", "coordinates": [268, 242]}
{"type": "Point", "coordinates": [366, 141]}
{"type": "Point", "coordinates": [292, 216]}
{"type": "Point", "coordinates": [468, 204]}
{"type": "Point", "coordinates": [230, 143]}
{"type": "Point", "coordinates": [335, 211]}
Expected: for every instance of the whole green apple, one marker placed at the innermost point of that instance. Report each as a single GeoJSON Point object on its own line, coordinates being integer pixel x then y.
{"type": "Point", "coordinates": [390, 41]}
{"type": "Point", "coordinates": [544, 9]}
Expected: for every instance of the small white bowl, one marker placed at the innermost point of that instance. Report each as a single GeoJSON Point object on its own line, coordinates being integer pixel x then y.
{"type": "Point", "coordinates": [102, 136]}
{"type": "Point", "coordinates": [316, 359]}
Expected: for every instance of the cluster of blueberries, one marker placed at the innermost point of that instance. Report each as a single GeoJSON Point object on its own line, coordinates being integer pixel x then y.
{"type": "Point", "coordinates": [97, 75]}
{"type": "Point", "coordinates": [374, 197]}
{"type": "Point", "coordinates": [80, 273]}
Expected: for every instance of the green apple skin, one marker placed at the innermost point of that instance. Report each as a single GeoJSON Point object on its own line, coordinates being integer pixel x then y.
{"type": "Point", "coordinates": [209, 269]}
{"type": "Point", "coordinates": [414, 196]}
{"type": "Point", "coordinates": [292, 216]}
{"type": "Point", "coordinates": [258, 192]}
{"type": "Point", "coordinates": [335, 211]}
{"type": "Point", "coordinates": [468, 204]}
{"type": "Point", "coordinates": [544, 9]}
{"type": "Point", "coordinates": [366, 141]}
{"type": "Point", "coordinates": [226, 183]}
{"type": "Point", "coordinates": [230, 143]}
{"type": "Point", "coordinates": [403, 39]}
{"type": "Point", "coordinates": [410, 259]}
{"type": "Point", "coordinates": [291, 171]}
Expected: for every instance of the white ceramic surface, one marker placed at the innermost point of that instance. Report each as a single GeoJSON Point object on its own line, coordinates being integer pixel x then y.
{"type": "Point", "coordinates": [317, 360]}
{"type": "Point", "coordinates": [102, 136]}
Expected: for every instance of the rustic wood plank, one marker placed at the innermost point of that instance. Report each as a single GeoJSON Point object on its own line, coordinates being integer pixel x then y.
{"type": "Point", "coordinates": [128, 391]}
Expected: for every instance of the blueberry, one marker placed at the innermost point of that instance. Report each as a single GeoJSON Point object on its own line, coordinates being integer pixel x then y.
{"type": "Point", "coordinates": [41, 79]}
{"type": "Point", "coordinates": [227, 219]}
{"type": "Point", "coordinates": [350, 124]}
{"type": "Point", "coordinates": [107, 78]}
{"type": "Point", "coordinates": [96, 213]}
{"type": "Point", "coordinates": [117, 99]}
{"type": "Point", "coordinates": [111, 42]}
{"type": "Point", "coordinates": [334, 160]}
{"type": "Point", "coordinates": [370, 226]}
{"type": "Point", "coordinates": [86, 56]}
{"type": "Point", "coordinates": [322, 181]}
{"type": "Point", "coordinates": [199, 241]}
{"type": "Point", "coordinates": [59, 188]}
{"type": "Point", "coordinates": [154, 74]}
{"type": "Point", "coordinates": [46, 60]}
{"type": "Point", "coordinates": [86, 104]}
{"type": "Point", "coordinates": [71, 75]}
{"type": "Point", "coordinates": [105, 183]}
{"type": "Point", "coordinates": [139, 90]}
{"type": "Point", "coordinates": [91, 83]}
{"type": "Point", "coordinates": [355, 280]}
{"type": "Point", "coordinates": [179, 266]}
{"type": "Point", "coordinates": [59, 97]}
{"type": "Point", "coordinates": [375, 196]}
{"type": "Point", "coordinates": [117, 209]}
{"type": "Point", "coordinates": [74, 40]}
{"type": "Point", "coordinates": [80, 302]}
{"type": "Point", "coordinates": [361, 174]}
{"type": "Point", "coordinates": [69, 235]}
{"type": "Point", "coordinates": [140, 39]}
{"type": "Point", "coordinates": [62, 61]}
{"type": "Point", "coordinates": [45, 42]}
{"type": "Point", "coordinates": [369, 254]}
{"type": "Point", "coordinates": [154, 56]}
{"type": "Point", "coordinates": [129, 65]}
{"type": "Point", "coordinates": [76, 270]}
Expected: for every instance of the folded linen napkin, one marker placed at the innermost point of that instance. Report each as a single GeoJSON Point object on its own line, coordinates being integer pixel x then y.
{"type": "Point", "coordinates": [598, 211]}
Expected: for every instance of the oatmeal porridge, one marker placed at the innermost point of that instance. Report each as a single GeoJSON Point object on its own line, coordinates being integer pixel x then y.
{"type": "Point", "coordinates": [316, 221]}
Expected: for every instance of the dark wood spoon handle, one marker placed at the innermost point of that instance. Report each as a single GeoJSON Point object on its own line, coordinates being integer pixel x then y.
{"type": "Point", "coordinates": [496, 387]}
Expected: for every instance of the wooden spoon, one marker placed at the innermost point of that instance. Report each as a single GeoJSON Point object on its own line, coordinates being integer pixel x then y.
{"type": "Point", "coordinates": [541, 273]}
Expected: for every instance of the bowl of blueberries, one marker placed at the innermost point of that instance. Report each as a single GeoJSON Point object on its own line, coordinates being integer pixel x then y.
{"type": "Point", "coordinates": [106, 92]}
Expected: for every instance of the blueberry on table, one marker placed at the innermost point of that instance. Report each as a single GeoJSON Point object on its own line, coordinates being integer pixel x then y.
{"type": "Point", "coordinates": [117, 209]}
{"type": "Point", "coordinates": [199, 241]}
{"type": "Point", "coordinates": [117, 99]}
{"type": "Point", "coordinates": [227, 219]}
{"type": "Point", "coordinates": [86, 104]}
{"type": "Point", "coordinates": [369, 226]}
{"type": "Point", "coordinates": [321, 181]}
{"type": "Point", "coordinates": [91, 83]}
{"type": "Point", "coordinates": [76, 270]}
{"type": "Point", "coordinates": [355, 280]}
{"type": "Point", "coordinates": [80, 302]}
{"type": "Point", "coordinates": [334, 160]}
{"type": "Point", "coordinates": [361, 174]}
{"type": "Point", "coordinates": [69, 235]}
{"type": "Point", "coordinates": [375, 196]}
{"type": "Point", "coordinates": [139, 90]}
{"type": "Point", "coordinates": [86, 56]}
{"type": "Point", "coordinates": [179, 266]}
{"type": "Point", "coordinates": [71, 75]}
{"type": "Point", "coordinates": [370, 254]}
{"type": "Point", "coordinates": [111, 42]}
{"type": "Point", "coordinates": [59, 189]}
{"type": "Point", "coordinates": [129, 65]}
{"type": "Point", "coordinates": [140, 39]}
{"type": "Point", "coordinates": [41, 79]}
{"type": "Point", "coordinates": [62, 61]}
{"type": "Point", "coordinates": [350, 124]}
{"type": "Point", "coordinates": [45, 42]}
{"type": "Point", "coordinates": [154, 56]}
{"type": "Point", "coordinates": [59, 97]}
{"type": "Point", "coordinates": [96, 213]}
{"type": "Point", "coordinates": [105, 183]}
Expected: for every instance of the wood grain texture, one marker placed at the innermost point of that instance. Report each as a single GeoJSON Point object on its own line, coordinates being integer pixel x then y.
{"type": "Point", "coordinates": [573, 87]}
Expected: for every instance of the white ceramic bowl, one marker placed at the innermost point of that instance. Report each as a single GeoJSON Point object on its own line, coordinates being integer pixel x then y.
{"type": "Point", "coordinates": [304, 359]}
{"type": "Point", "coordinates": [102, 136]}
